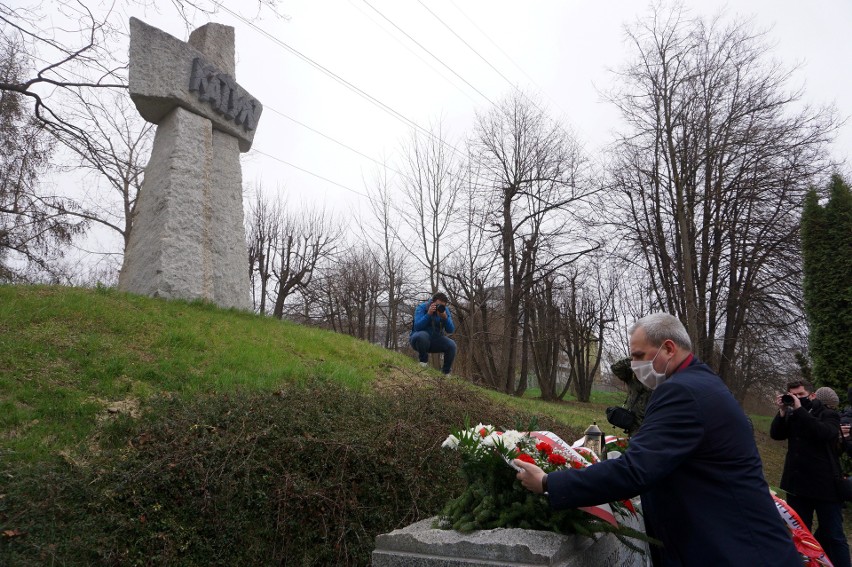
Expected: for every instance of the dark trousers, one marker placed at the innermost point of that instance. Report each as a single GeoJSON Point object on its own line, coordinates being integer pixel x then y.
{"type": "Point", "coordinates": [424, 344]}
{"type": "Point", "coordinates": [829, 534]}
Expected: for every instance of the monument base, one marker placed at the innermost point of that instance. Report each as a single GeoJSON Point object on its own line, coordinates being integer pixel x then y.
{"type": "Point", "coordinates": [420, 545]}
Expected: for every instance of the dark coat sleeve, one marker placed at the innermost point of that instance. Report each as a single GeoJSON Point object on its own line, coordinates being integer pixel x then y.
{"type": "Point", "coordinates": [655, 451]}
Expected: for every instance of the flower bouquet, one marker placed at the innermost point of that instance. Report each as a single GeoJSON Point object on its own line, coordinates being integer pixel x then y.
{"type": "Point", "coordinates": [494, 498]}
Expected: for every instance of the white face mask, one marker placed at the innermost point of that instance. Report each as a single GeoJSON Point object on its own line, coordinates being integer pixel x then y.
{"type": "Point", "coordinates": [645, 373]}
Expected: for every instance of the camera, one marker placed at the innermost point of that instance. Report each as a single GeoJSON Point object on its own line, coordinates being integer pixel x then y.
{"type": "Point", "coordinates": [440, 308]}
{"type": "Point", "coordinates": [787, 400]}
{"type": "Point", "coordinates": [622, 417]}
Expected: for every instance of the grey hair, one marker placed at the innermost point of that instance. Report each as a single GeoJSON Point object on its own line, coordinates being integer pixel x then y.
{"type": "Point", "coordinates": [661, 326]}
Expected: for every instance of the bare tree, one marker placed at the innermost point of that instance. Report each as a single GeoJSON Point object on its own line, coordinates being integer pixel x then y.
{"type": "Point", "coordinates": [305, 238]}
{"type": "Point", "coordinates": [120, 144]}
{"type": "Point", "coordinates": [530, 168]}
{"type": "Point", "coordinates": [710, 175]}
{"type": "Point", "coordinates": [431, 184]}
{"type": "Point", "coordinates": [545, 336]}
{"type": "Point", "coordinates": [387, 253]}
{"type": "Point", "coordinates": [469, 278]}
{"type": "Point", "coordinates": [74, 54]}
{"type": "Point", "coordinates": [588, 310]}
{"type": "Point", "coordinates": [353, 286]}
{"type": "Point", "coordinates": [263, 225]}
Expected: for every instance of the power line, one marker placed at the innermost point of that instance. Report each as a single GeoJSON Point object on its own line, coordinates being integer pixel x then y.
{"type": "Point", "coordinates": [336, 141]}
{"type": "Point", "coordinates": [270, 156]}
{"type": "Point", "coordinates": [461, 39]}
{"type": "Point", "coordinates": [339, 79]}
{"type": "Point", "coordinates": [506, 55]}
{"type": "Point", "coordinates": [429, 52]}
{"type": "Point", "coordinates": [410, 50]}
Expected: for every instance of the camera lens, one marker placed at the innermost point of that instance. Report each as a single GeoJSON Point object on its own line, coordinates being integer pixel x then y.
{"type": "Point", "coordinates": [787, 399]}
{"type": "Point", "coordinates": [441, 308]}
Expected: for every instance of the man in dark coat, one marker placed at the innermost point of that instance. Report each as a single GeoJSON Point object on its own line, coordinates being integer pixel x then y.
{"type": "Point", "coordinates": [812, 431]}
{"type": "Point", "coordinates": [694, 461]}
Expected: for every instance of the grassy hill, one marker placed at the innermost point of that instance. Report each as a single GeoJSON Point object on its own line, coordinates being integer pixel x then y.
{"type": "Point", "coordinates": [136, 431]}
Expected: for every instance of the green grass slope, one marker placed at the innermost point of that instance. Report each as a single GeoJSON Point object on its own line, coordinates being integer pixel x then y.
{"type": "Point", "coordinates": [67, 355]}
{"type": "Point", "coordinates": [136, 431]}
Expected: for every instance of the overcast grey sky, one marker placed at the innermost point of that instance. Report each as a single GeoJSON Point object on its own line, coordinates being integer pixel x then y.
{"type": "Point", "coordinates": [431, 60]}
{"type": "Point", "coordinates": [342, 81]}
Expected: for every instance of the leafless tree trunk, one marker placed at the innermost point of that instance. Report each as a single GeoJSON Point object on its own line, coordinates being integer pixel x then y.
{"type": "Point", "coordinates": [469, 277]}
{"type": "Point", "coordinates": [304, 239]}
{"type": "Point", "coordinates": [530, 176]}
{"type": "Point", "coordinates": [711, 174]}
{"type": "Point", "coordinates": [119, 146]}
{"type": "Point", "coordinates": [354, 285]}
{"type": "Point", "coordinates": [587, 312]}
{"type": "Point", "coordinates": [431, 184]}
{"type": "Point", "coordinates": [264, 222]}
{"type": "Point", "coordinates": [545, 337]}
{"type": "Point", "coordinates": [388, 254]}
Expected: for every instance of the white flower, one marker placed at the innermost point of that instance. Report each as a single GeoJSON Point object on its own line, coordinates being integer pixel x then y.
{"type": "Point", "coordinates": [451, 442]}
{"type": "Point", "coordinates": [491, 439]}
{"type": "Point", "coordinates": [511, 439]}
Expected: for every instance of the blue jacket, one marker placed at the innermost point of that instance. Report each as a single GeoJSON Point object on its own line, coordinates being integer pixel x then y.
{"type": "Point", "coordinates": [434, 324]}
{"type": "Point", "coordinates": [695, 463]}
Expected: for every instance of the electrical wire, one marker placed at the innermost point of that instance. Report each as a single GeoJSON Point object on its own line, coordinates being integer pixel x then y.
{"type": "Point", "coordinates": [332, 139]}
{"type": "Point", "coordinates": [309, 172]}
{"type": "Point", "coordinates": [338, 78]}
{"type": "Point", "coordinates": [438, 59]}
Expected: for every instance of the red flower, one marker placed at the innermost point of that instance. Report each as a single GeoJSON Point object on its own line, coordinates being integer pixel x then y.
{"type": "Point", "coordinates": [525, 458]}
{"type": "Point", "coordinates": [556, 459]}
{"type": "Point", "coordinates": [546, 447]}
{"type": "Point", "coordinates": [576, 464]}
{"type": "Point", "coordinates": [483, 432]}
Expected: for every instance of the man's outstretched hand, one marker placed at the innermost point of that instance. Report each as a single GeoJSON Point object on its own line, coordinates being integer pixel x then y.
{"type": "Point", "coordinates": [531, 477]}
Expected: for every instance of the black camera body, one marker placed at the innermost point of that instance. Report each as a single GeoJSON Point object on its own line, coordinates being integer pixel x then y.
{"type": "Point", "coordinates": [440, 308]}
{"type": "Point", "coordinates": [623, 418]}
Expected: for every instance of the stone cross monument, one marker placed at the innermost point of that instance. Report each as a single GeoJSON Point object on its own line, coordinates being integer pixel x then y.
{"type": "Point", "coordinates": [188, 238]}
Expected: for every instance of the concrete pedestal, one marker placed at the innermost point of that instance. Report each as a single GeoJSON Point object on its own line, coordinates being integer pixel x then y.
{"type": "Point", "coordinates": [419, 545]}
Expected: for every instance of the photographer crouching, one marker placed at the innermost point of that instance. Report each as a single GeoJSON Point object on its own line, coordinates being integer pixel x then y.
{"type": "Point", "coordinates": [432, 322]}
{"type": "Point", "coordinates": [811, 427]}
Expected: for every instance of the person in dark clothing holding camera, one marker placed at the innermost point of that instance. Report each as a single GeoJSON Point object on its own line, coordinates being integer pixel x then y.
{"type": "Point", "coordinates": [811, 429]}
{"type": "Point", "coordinates": [432, 322]}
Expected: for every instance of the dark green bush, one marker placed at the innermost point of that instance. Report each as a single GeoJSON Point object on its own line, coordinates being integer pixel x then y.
{"type": "Point", "coordinates": [306, 476]}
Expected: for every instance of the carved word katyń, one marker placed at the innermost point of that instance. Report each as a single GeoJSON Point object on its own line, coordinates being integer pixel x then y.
{"type": "Point", "coordinates": [223, 94]}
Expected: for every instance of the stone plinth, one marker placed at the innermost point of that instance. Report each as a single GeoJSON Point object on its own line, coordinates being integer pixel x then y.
{"type": "Point", "coordinates": [419, 545]}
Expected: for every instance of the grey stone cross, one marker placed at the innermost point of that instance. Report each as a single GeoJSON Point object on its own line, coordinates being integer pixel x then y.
{"type": "Point", "coordinates": [188, 238]}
